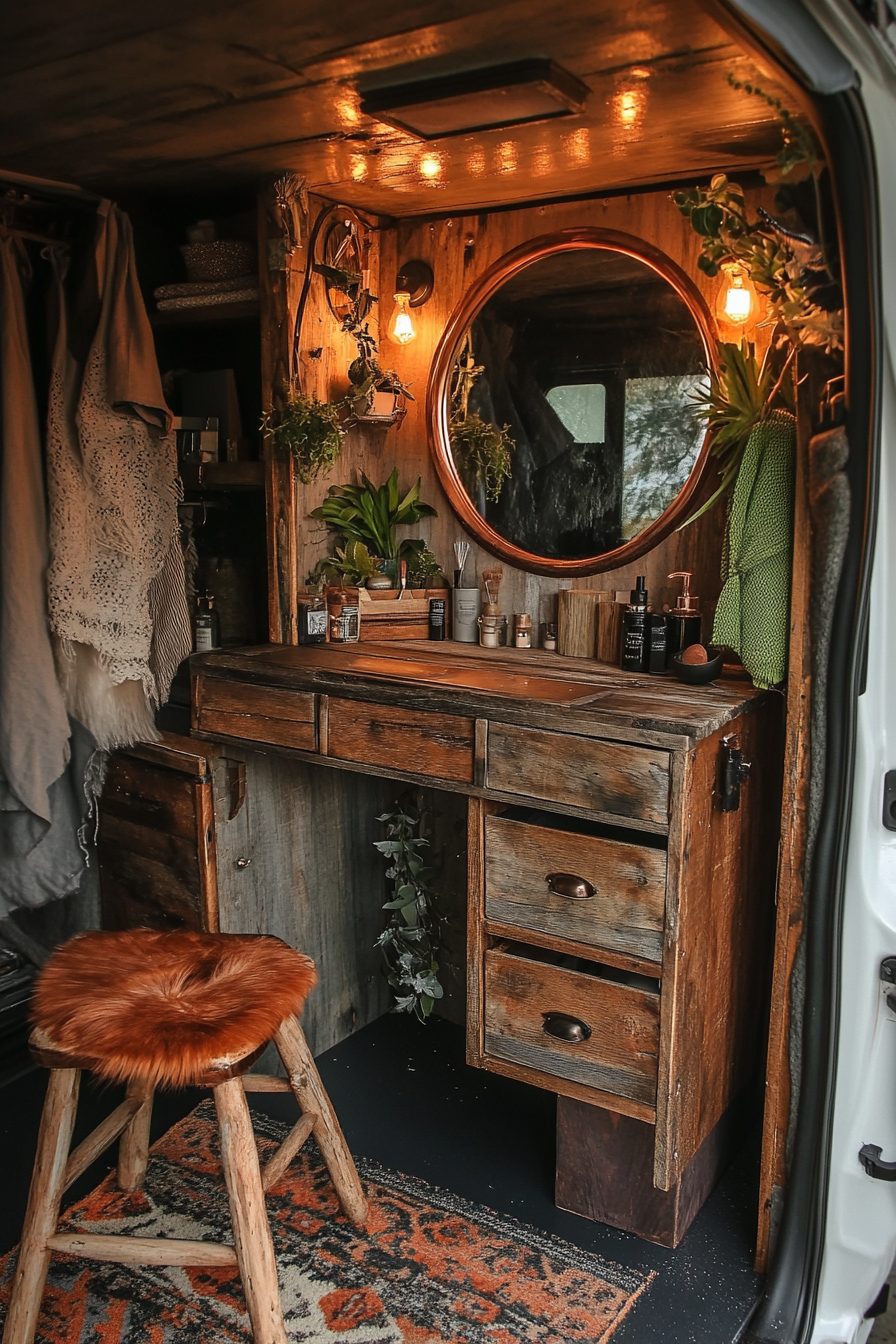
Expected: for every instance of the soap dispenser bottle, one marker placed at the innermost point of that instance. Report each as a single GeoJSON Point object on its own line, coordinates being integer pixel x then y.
{"type": "Point", "coordinates": [685, 621]}
{"type": "Point", "coordinates": [635, 642]}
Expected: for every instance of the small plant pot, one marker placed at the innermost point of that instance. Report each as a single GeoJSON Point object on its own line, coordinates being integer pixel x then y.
{"type": "Point", "coordinates": [699, 674]}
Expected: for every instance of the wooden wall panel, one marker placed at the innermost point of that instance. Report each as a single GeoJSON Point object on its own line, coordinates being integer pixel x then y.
{"type": "Point", "coordinates": [459, 249]}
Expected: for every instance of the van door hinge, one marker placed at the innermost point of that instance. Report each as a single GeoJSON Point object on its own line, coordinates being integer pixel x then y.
{"type": "Point", "coordinates": [734, 771]}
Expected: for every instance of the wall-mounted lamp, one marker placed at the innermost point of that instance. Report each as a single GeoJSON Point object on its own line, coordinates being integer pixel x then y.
{"type": "Point", "coordinates": [413, 287]}
{"type": "Point", "coordinates": [738, 302]}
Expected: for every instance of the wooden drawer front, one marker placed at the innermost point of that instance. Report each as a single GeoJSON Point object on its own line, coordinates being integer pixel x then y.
{"type": "Point", "coordinates": [620, 1056]}
{"type": "Point", "coordinates": [624, 915]}
{"type": "Point", "coordinates": [255, 713]}
{"type": "Point", "coordinates": [580, 772]}
{"type": "Point", "coordinates": [440, 745]}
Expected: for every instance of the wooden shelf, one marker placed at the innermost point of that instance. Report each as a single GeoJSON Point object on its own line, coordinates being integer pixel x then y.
{"type": "Point", "coordinates": [222, 475]}
{"type": "Point", "coordinates": [248, 310]}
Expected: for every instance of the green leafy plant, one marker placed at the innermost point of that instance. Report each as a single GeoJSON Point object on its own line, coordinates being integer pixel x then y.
{"type": "Point", "coordinates": [424, 570]}
{"type": "Point", "coordinates": [485, 450]}
{"type": "Point", "coordinates": [352, 562]}
{"type": "Point", "coordinates": [308, 429]}
{"type": "Point", "coordinates": [788, 267]}
{"type": "Point", "coordinates": [370, 514]}
{"type": "Point", "coordinates": [742, 393]}
{"type": "Point", "coordinates": [411, 941]}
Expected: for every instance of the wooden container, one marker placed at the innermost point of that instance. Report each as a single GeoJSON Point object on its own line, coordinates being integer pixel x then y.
{"type": "Point", "coordinates": [384, 617]}
{"type": "Point", "coordinates": [589, 622]}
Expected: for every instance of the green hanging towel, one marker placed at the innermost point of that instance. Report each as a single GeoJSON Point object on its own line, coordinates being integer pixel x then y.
{"type": "Point", "coordinates": [754, 606]}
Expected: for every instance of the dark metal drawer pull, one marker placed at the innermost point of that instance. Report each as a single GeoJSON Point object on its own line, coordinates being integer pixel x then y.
{"type": "Point", "coordinates": [567, 884]}
{"type": "Point", "coordinates": [566, 1028]}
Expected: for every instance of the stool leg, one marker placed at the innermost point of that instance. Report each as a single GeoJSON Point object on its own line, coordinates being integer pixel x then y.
{"type": "Point", "coordinates": [251, 1230]}
{"type": "Point", "coordinates": [312, 1096]}
{"type": "Point", "coordinates": [44, 1197]}
{"type": "Point", "coordinates": [133, 1146]}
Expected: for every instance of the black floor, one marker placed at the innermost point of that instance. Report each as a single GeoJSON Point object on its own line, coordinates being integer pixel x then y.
{"type": "Point", "coordinates": [406, 1098]}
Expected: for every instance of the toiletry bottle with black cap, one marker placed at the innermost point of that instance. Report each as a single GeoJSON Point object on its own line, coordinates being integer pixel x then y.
{"type": "Point", "coordinates": [635, 640]}
{"type": "Point", "coordinates": [685, 621]}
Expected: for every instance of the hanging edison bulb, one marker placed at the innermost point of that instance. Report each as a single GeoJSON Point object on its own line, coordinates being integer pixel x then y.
{"type": "Point", "coordinates": [738, 302]}
{"type": "Point", "coordinates": [401, 325]}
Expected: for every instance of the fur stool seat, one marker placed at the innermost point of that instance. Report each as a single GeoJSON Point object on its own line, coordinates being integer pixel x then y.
{"type": "Point", "coordinates": [161, 1008]}
{"type": "Point", "coordinates": [165, 1009]}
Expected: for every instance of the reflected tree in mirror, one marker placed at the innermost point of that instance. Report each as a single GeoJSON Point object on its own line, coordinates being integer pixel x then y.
{"type": "Point", "coordinates": [592, 362]}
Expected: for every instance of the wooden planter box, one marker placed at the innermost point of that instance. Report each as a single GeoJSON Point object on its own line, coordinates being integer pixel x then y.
{"type": "Point", "coordinates": [384, 617]}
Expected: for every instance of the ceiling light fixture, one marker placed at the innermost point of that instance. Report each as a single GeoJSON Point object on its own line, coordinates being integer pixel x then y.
{"type": "Point", "coordinates": [478, 100]}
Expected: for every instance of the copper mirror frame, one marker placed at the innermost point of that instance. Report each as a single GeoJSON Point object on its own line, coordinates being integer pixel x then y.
{"type": "Point", "coordinates": [438, 397]}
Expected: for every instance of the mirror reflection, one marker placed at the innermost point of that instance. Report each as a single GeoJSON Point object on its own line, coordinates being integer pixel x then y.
{"type": "Point", "coordinates": [572, 420]}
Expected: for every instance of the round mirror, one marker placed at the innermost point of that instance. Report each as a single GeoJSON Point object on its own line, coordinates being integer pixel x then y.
{"type": "Point", "coordinates": [562, 402]}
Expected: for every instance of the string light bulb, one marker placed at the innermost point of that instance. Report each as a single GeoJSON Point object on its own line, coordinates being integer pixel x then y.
{"type": "Point", "coordinates": [738, 302]}
{"type": "Point", "coordinates": [401, 325]}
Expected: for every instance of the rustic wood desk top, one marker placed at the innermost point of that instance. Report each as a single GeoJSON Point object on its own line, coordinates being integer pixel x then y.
{"type": "Point", "coordinates": [525, 686]}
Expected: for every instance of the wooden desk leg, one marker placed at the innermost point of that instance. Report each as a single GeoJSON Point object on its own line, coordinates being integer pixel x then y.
{"type": "Point", "coordinates": [133, 1146]}
{"type": "Point", "coordinates": [47, 1184]}
{"type": "Point", "coordinates": [312, 1096]}
{"type": "Point", "coordinates": [251, 1230]}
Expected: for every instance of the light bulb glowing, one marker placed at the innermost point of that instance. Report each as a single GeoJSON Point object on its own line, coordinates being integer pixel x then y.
{"type": "Point", "coordinates": [401, 325]}
{"type": "Point", "coordinates": [737, 298]}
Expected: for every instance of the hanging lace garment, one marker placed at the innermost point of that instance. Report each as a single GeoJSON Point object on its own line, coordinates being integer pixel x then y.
{"type": "Point", "coordinates": [116, 593]}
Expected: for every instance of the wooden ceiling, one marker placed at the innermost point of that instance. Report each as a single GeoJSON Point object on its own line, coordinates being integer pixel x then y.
{"type": "Point", "coordinates": [190, 95]}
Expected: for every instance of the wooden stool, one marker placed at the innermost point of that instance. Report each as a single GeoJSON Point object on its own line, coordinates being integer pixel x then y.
{"type": "Point", "coordinates": [56, 1168]}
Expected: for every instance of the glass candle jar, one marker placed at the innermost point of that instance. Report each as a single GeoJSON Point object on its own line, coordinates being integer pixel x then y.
{"type": "Point", "coordinates": [343, 614]}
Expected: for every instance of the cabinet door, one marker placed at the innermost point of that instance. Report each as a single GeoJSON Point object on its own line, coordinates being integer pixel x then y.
{"type": "Point", "coordinates": [156, 838]}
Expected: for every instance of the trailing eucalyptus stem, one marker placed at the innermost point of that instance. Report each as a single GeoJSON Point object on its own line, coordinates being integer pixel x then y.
{"type": "Point", "coordinates": [412, 938]}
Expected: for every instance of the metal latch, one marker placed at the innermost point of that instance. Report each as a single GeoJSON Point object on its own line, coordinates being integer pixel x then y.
{"type": "Point", "coordinates": [870, 1154]}
{"type": "Point", "coordinates": [733, 773]}
{"type": "Point", "coordinates": [889, 813]}
{"type": "Point", "coordinates": [871, 1160]}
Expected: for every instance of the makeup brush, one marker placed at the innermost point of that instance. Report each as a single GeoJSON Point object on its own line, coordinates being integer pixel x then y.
{"type": "Point", "coordinates": [461, 551]}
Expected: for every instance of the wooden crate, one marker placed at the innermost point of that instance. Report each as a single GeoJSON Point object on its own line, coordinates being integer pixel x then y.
{"type": "Point", "coordinates": [384, 617]}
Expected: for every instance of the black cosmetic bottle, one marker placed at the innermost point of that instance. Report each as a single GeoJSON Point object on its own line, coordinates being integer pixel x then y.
{"type": "Point", "coordinates": [635, 629]}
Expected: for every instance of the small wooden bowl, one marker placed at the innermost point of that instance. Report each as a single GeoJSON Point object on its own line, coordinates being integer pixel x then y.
{"type": "Point", "coordinates": [699, 674]}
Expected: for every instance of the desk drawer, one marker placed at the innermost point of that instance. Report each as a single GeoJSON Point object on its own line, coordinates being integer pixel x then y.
{"type": "Point", "coordinates": [624, 913]}
{"type": "Point", "coordinates": [440, 745]}
{"type": "Point", "coordinates": [620, 1055]}
{"type": "Point", "coordinates": [256, 713]}
{"type": "Point", "coordinates": [584, 772]}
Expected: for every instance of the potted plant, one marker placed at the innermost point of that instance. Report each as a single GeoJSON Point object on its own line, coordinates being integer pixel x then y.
{"type": "Point", "coordinates": [310, 431]}
{"type": "Point", "coordinates": [370, 514]}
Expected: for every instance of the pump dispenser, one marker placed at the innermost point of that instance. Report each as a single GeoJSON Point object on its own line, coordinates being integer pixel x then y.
{"type": "Point", "coordinates": [685, 621]}
{"type": "Point", "coordinates": [635, 645]}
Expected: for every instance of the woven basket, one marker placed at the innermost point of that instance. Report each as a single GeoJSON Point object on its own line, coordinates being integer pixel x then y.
{"type": "Point", "coordinates": [223, 260]}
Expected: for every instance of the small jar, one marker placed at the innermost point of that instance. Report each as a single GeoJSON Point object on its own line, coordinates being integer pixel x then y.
{"type": "Point", "coordinates": [488, 631]}
{"type": "Point", "coordinates": [437, 618]}
{"type": "Point", "coordinates": [523, 633]}
{"type": "Point", "coordinates": [549, 636]}
{"type": "Point", "coordinates": [343, 614]}
{"type": "Point", "coordinates": [312, 619]}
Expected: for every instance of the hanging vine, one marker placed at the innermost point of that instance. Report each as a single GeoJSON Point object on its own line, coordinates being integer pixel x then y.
{"type": "Point", "coordinates": [412, 941]}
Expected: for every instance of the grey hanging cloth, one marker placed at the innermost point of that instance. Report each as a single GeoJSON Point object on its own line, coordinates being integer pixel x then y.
{"type": "Point", "coordinates": [47, 763]}
{"type": "Point", "coordinates": [34, 730]}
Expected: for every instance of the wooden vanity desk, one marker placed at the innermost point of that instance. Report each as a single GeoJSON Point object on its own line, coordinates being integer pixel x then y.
{"type": "Point", "coordinates": [618, 916]}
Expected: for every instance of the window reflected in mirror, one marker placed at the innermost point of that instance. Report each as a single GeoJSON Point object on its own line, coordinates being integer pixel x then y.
{"type": "Point", "coordinates": [573, 420]}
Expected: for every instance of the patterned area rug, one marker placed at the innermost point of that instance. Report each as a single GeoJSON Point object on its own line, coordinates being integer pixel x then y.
{"type": "Point", "coordinates": [429, 1269]}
